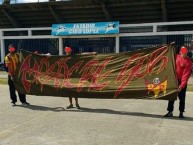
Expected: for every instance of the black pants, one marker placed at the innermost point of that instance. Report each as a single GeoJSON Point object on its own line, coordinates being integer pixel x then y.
{"type": "Point", "coordinates": [13, 97]}
{"type": "Point", "coordinates": [181, 97]}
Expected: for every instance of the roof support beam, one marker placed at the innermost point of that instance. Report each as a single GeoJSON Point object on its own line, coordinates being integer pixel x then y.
{"type": "Point", "coordinates": [55, 15]}
{"type": "Point", "coordinates": [6, 2]}
{"type": "Point", "coordinates": [164, 18]}
{"type": "Point", "coordinates": [106, 12]}
{"type": "Point", "coordinates": [164, 10]}
{"type": "Point", "coordinates": [12, 18]}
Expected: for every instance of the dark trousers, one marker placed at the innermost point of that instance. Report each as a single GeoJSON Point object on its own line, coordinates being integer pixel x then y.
{"type": "Point", "coordinates": [13, 97]}
{"type": "Point", "coordinates": [181, 97]}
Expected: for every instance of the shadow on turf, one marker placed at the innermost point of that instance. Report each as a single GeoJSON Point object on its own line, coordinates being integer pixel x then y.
{"type": "Point", "coordinates": [42, 108]}
{"type": "Point", "coordinates": [106, 111]}
{"type": "Point", "coordinates": [109, 111]}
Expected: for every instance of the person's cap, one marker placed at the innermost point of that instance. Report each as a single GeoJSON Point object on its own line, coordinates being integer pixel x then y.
{"type": "Point", "coordinates": [183, 50]}
{"type": "Point", "coordinates": [12, 49]}
{"type": "Point", "coordinates": [68, 49]}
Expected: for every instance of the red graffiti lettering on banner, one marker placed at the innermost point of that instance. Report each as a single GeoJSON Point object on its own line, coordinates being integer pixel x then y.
{"type": "Point", "coordinates": [140, 65]}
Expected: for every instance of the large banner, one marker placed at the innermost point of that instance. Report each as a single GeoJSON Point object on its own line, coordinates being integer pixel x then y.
{"type": "Point", "coordinates": [143, 74]}
{"type": "Point", "coordinates": [94, 28]}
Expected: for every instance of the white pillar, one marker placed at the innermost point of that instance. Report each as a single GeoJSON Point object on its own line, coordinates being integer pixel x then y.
{"type": "Point", "coordinates": [154, 28]}
{"type": "Point", "coordinates": [2, 46]}
{"type": "Point", "coordinates": [29, 32]}
{"type": "Point", "coordinates": [60, 46]}
{"type": "Point", "coordinates": [117, 44]}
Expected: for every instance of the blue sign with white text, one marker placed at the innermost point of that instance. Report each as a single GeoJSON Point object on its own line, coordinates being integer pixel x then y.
{"type": "Point", "coordinates": [85, 28]}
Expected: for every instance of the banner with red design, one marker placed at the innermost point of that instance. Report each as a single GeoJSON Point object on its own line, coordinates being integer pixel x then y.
{"type": "Point", "coordinates": [143, 74]}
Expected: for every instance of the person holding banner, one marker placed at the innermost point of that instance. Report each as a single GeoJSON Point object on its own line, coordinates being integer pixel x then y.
{"type": "Point", "coordinates": [183, 72]}
{"type": "Point", "coordinates": [68, 51]}
{"type": "Point", "coordinates": [11, 61]}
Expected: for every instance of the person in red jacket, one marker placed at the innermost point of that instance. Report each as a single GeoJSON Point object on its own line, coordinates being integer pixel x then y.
{"type": "Point", "coordinates": [183, 72]}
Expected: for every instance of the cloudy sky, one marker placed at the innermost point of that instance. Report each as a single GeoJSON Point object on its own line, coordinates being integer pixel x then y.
{"type": "Point", "coordinates": [27, 1]}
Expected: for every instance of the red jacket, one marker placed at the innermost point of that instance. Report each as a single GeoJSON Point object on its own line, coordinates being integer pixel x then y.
{"type": "Point", "coordinates": [183, 69]}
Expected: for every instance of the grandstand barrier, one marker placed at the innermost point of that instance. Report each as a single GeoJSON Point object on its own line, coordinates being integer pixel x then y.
{"type": "Point", "coordinates": [131, 38]}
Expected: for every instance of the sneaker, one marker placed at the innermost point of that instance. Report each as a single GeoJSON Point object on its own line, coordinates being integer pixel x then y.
{"type": "Point", "coordinates": [25, 104]}
{"type": "Point", "coordinates": [13, 104]}
{"type": "Point", "coordinates": [70, 106]}
{"type": "Point", "coordinates": [169, 114]}
{"type": "Point", "coordinates": [77, 106]}
{"type": "Point", "coordinates": [181, 115]}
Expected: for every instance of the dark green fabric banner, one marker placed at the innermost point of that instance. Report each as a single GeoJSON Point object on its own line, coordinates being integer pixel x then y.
{"type": "Point", "coordinates": [143, 74]}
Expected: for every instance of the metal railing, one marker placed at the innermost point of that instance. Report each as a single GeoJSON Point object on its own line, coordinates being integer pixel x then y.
{"type": "Point", "coordinates": [130, 38]}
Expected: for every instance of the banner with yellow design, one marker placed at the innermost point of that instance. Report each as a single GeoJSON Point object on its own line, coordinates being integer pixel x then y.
{"type": "Point", "coordinates": [143, 74]}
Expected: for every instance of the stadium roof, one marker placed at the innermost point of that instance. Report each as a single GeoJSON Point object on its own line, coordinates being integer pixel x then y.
{"type": "Point", "coordinates": [44, 14]}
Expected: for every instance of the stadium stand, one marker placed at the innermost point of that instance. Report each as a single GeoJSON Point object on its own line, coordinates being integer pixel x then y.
{"type": "Point", "coordinates": [44, 14]}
